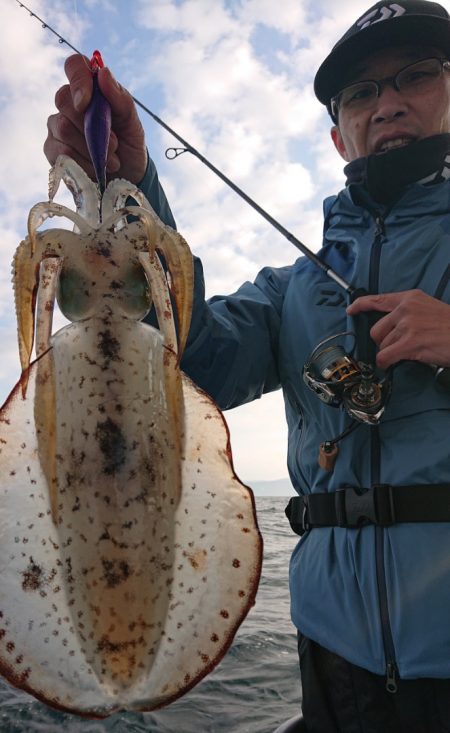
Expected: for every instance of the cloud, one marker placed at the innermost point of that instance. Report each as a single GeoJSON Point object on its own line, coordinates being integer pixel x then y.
{"type": "Point", "coordinates": [289, 17]}
{"type": "Point", "coordinates": [204, 21]}
{"type": "Point", "coordinates": [31, 70]}
{"type": "Point", "coordinates": [228, 101]}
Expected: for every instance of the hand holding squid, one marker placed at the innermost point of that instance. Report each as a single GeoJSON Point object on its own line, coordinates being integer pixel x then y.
{"type": "Point", "coordinates": [127, 153]}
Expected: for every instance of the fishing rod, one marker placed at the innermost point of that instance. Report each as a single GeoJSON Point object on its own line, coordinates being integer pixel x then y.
{"type": "Point", "coordinates": [172, 153]}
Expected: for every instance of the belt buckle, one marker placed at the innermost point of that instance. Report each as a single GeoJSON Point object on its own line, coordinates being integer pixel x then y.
{"type": "Point", "coordinates": [359, 508]}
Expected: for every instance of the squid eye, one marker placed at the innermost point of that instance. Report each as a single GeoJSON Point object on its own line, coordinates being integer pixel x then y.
{"type": "Point", "coordinates": [136, 300]}
{"type": "Point", "coordinates": [73, 296]}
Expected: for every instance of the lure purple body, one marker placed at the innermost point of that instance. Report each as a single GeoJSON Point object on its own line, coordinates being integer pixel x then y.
{"type": "Point", "coordinates": [97, 125]}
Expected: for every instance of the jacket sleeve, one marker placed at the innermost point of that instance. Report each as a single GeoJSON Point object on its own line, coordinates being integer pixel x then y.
{"type": "Point", "coordinates": [232, 348]}
{"type": "Point", "coordinates": [152, 189]}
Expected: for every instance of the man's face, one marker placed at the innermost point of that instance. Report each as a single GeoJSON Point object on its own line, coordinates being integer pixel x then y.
{"type": "Point", "coordinates": [394, 118]}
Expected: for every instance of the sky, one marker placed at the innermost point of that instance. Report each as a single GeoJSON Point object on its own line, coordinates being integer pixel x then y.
{"type": "Point", "coordinates": [233, 78]}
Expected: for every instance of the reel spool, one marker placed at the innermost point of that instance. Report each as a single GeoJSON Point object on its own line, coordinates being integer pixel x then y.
{"type": "Point", "coordinates": [340, 381]}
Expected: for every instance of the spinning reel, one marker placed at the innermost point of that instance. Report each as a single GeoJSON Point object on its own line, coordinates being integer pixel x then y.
{"type": "Point", "coordinates": [339, 380]}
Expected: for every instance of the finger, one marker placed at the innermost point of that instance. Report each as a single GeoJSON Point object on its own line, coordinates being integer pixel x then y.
{"type": "Point", "coordinates": [112, 161]}
{"type": "Point", "coordinates": [53, 148]}
{"type": "Point", "coordinates": [383, 327]}
{"type": "Point", "coordinates": [125, 119]}
{"type": "Point", "coordinates": [403, 346]}
{"type": "Point", "coordinates": [52, 152]}
{"type": "Point", "coordinates": [79, 74]}
{"type": "Point", "coordinates": [121, 101]}
{"type": "Point", "coordinates": [384, 302]}
{"type": "Point", "coordinates": [390, 355]}
{"type": "Point", "coordinates": [391, 338]}
{"type": "Point", "coordinates": [399, 347]}
{"type": "Point", "coordinates": [63, 131]}
{"type": "Point", "coordinates": [64, 103]}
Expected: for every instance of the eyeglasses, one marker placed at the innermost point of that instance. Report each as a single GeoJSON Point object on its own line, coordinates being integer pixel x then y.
{"type": "Point", "coordinates": [412, 79]}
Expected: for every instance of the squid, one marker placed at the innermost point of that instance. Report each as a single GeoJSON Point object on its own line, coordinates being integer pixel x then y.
{"type": "Point", "coordinates": [129, 549]}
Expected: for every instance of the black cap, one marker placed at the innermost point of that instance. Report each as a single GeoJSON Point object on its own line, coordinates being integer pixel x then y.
{"type": "Point", "coordinates": [384, 24]}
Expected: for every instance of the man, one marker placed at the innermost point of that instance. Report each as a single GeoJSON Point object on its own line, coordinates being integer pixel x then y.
{"type": "Point", "coordinates": [371, 602]}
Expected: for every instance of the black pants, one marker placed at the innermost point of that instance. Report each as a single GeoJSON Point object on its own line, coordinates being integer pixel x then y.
{"type": "Point", "coordinates": [339, 697]}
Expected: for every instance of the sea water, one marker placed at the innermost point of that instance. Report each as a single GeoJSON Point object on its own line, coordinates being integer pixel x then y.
{"type": "Point", "coordinates": [253, 690]}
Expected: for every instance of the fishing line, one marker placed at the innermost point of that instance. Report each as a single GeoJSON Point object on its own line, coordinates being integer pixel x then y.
{"type": "Point", "coordinates": [172, 153]}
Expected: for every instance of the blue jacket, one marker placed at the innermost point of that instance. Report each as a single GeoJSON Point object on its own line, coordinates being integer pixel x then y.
{"type": "Point", "coordinates": [376, 596]}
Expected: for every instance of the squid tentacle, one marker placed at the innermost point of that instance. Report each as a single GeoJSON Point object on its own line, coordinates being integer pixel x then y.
{"type": "Point", "coordinates": [45, 210]}
{"type": "Point", "coordinates": [172, 375]}
{"type": "Point", "coordinates": [45, 421]}
{"type": "Point", "coordinates": [116, 195]}
{"type": "Point", "coordinates": [25, 277]}
{"type": "Point", "coordinates": [45, 397]}
{"type": "Point", "coordinates": [83, 190]}
{"type": "Point", "coordinates": [179, 261]}
{"type": "Point", "coordinates": [48, 280]}
{"type": "Point", "coordinates": [145, 216]}
{"type": "Point", "coordinates": [161, 298]}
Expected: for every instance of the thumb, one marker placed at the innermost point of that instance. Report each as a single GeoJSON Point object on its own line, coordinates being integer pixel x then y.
{"type": "Point", "coordinates": [122, 104]}
{"type": "Point", "coordinates": [79, 75]}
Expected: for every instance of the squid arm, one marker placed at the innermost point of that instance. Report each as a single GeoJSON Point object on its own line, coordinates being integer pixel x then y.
{"type": "Point", "coordinates": [48, 281]}
{"type": "Point", "coordinates": [45, 397]}
{"type": "Point", "coordinates": [47, 209]}
{"type": "Point", "coordinates": [27, 259]}
{"type": "Point", "coordinates": [161, 298]}
{"type": "Point", "coordinates": [83, 190]}
{"type": "Point", "coordinates": [25, 276]}
{"type": "Point", "coordinates": [178, 257]}
{"type": "Point", "coordinates": [116, 195]}
{"type": "Point", "coordinates": [174, 391]}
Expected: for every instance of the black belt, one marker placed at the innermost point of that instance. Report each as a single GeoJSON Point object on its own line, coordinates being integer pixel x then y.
{"type": "Point", "coordinates": [383, 505]}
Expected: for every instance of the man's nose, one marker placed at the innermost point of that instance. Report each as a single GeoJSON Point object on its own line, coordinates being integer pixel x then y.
{"type": "Point", "coordinates": [389, 105]}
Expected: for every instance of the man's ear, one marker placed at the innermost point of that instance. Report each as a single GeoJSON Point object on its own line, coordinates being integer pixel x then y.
{"type": "Point", "coordinates": [338, 142]}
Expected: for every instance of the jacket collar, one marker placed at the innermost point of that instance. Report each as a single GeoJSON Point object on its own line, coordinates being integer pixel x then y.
{"type": "Point", "coordinates": [386, 175]}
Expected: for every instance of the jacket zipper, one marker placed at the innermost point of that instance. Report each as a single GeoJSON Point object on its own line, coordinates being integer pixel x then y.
{"type": "Point", "coordinates": [388, 642]}
{"type": "Point", "coordinates": [375, 254]}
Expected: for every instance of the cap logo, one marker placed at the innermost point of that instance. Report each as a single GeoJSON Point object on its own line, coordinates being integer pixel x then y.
{"type": "Point", "coordinates": [383, 13]}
